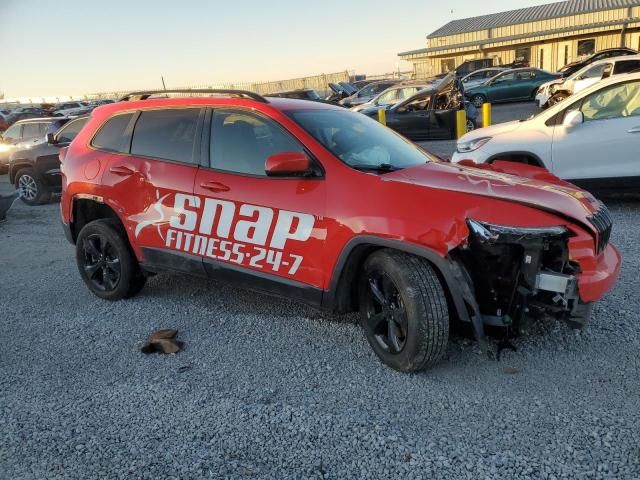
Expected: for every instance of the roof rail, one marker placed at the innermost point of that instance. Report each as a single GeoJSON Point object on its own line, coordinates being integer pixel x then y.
{"type": "Point", "coordinates": [145, 94]}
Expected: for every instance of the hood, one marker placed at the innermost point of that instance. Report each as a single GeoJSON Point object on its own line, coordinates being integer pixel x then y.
{"type": "Point", "coordinates": [564, 201]}
{"type": "Point", "coordinates": [492, 131]}
{"type": "Point", "coordinates": [551, 82]}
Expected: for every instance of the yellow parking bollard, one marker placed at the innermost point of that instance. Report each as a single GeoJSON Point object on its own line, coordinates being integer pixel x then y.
{"type": "Point", "coordinates": [461, 123]}
{"type": "Point", "coordinates": [486, 114]}
{"type": "Point", "coordinates": [382, 116]}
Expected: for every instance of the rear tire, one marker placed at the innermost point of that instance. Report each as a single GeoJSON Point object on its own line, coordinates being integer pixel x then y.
{"type": "Point", "coordinates": [403, 310]}
{"type": "Point", "coordinates": [31, 189]}
{"type": "Point", "coordinates": [478, 100]}
{"type": "Point", "coordinates": [105, 261]}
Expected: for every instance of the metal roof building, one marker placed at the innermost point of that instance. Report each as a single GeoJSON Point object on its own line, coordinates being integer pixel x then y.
{"type": "Point", "coordinates": [547, 36]}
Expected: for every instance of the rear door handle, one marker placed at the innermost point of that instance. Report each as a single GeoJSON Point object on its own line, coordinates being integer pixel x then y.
{"type": "Point", "coordinates": [121, 171]}
{"type": "Point", "coordinates": [634, 130]}
{"type": "Point", "coordinates": [215, 187]}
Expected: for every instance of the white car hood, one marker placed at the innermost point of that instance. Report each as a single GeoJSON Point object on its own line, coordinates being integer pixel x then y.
{"type": "Point", "coordinates": [492, 131]}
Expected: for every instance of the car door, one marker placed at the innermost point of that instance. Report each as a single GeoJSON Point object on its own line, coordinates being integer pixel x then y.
{"type": "Point", "coordinates": [602, 151]}
{"type": "Point", "coordinates": [412, 117]}
{"type": "Point", "coordinates": [267, 232]}
{"type": "Point", "coordinates": [501, 87]}
{"type": "Point", "coordinates": [150, 177]}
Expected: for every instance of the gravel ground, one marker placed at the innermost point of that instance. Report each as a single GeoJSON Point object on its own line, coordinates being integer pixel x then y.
{"type": "Point", "coordinates": [270, 389]}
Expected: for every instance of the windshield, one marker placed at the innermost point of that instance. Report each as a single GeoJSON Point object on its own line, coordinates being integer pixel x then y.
{"type": "Point", "coordinates": [359, 141]}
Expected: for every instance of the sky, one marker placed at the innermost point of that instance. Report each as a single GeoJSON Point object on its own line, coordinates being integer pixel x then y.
{"type": "Point", "coordinates": [72, 47]}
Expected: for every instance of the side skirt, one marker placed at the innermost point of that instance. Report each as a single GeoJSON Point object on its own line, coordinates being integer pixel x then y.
{"type": "Point", "coordinates": [160, 259]}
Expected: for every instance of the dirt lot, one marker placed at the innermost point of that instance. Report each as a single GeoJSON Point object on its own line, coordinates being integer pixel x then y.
{"type": "Point", "coordinates": [269, 389]}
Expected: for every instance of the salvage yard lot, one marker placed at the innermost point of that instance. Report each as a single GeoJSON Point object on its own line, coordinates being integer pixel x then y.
{"type": "Point", "coordinates": [267, 388]}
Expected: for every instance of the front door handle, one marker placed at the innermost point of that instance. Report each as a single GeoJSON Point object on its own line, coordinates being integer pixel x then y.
{"type": "Point", "coordinates": [121, 171]}
{"type": "Point", "coordinates": [215, 187]}
{"type": "Point", "coordinates": [634, 130]}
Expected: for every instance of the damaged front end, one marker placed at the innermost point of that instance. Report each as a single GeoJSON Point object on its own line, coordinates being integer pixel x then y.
{"type": "Point", "coordinates": [514, 275]}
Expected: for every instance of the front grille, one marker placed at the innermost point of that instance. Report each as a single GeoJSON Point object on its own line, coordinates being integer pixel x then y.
{"type": "Point", "coordinates": [601, 220]}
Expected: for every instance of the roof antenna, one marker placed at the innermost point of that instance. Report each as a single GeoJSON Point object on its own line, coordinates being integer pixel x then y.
{"type": "Point", "coordinates": [164, 87]}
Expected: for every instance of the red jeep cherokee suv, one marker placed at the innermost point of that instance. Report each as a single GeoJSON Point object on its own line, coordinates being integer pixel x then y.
{"type": "Point", "coordinates": [314, 202]}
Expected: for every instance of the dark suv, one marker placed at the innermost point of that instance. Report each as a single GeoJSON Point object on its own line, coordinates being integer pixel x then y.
{"type": "Point", "coordinates": [33, 129]}
{"type": "Point", "coordinates": [35, 171]}
{"type": "Point", "coordinates": [319, 204]}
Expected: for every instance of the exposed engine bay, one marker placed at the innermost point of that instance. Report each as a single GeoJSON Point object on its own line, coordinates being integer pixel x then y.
{"type": "Point", "coordinates": [515, 275]}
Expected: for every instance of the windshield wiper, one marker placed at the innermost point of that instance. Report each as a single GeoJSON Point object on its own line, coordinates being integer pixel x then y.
{"type": "Point", "coordinates": [383, 167]}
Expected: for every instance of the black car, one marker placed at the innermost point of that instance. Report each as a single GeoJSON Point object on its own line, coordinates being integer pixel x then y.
{"type": "Point", "coordinates": [431, 113]}
{"type": "Point", "coordinates": [35, 171]}
{"type": "Point", "coordinates": [340, 91]}
{"type": "Point", "coordinates": [470, 66]}
{"type": "Point", "coordinates": [573, 67]}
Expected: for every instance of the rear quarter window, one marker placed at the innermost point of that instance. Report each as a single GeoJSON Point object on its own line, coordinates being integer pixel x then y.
{"type": "Point", "coordinates": [110, 137]}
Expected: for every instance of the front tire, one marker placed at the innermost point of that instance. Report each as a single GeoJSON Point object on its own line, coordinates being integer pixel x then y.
{"type": "Point", "coordinates": [470, 125]}
{"type": "Point", "coordinates": [31, 189]}
{"type": "Point", "coordinates": [557, 98]}
{"type": "Point", "coordinates": [403, 310]}
{"type": "Point", "coordinates": [105, 261]}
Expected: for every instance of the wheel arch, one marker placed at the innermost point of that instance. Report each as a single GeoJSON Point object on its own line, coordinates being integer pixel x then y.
{"type": "Point", "coordinates": [342, 295]}
{"type": "Point", "coordinates": [16, 165]}
{"type": "Point", "coordinates": [532, 158]}
{"type": "Point", "coordinates": [85, 210]}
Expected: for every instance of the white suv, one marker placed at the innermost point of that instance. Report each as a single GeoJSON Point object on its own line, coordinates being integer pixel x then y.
{"type": "Point", "coordinates": [592, 139]}
{"type": "Point", "coordinates": [555, 91]}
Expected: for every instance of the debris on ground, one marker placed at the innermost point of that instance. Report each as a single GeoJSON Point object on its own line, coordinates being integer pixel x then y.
{"type": "Point", "coordinates": [163, 341]}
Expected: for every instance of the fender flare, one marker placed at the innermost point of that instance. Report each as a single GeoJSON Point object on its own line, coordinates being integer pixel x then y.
{"type": "Point", "coordinates": [17, 164]}
{"type": "Point", "coordinates": [443, 265]}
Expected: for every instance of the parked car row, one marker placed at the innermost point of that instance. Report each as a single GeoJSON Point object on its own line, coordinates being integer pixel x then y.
{"type": "Point", "coordinates": [557, 90]}
{"type": "Point", "coordinates": [66, 109]}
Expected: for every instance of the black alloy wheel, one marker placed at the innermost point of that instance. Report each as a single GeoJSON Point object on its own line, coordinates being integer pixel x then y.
{"type": "Point", "coordinates": [403, 310]}
{"type": "Point", "coordinates": [101, 263]}
{"type": "Point", "coordinates": [106, 261]}
{"type": "Point", "coordinates": [386, 313]}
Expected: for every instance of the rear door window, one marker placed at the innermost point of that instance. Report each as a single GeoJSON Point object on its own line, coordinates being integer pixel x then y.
{"type": "Point", "coordinates": [166, 134]}
{"type": "Point", "coordinates": [31, 130]}
{"type": "Point", "coordinates": [110, 137]}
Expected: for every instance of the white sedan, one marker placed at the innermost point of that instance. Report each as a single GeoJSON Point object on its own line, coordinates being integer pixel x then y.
{"type": "Point", "coordinates": [592, 139]}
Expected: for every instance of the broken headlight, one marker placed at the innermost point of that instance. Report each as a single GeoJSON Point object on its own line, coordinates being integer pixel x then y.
{"type": "Point", "coordinates": [492, 233]}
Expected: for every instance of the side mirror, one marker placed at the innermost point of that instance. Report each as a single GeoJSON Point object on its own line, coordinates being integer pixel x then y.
{"type": "Point", "coordinates": [51, 139]}
{"type": "Point", "coordinates": [288, 164]}
{"type": "Point", "coordinates": [573, 119]}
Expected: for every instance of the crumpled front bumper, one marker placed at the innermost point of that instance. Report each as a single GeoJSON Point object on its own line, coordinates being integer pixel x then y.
{"type": "Point", "coordinates": [542, 99]}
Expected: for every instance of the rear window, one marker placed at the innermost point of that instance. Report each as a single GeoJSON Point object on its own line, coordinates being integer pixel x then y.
{"type": "Point", "coordinates": [626, 66]}
{"type": "Point", "coordinates": [166, 134]}
{"type": "Point", "coordinates": [110, 137]}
